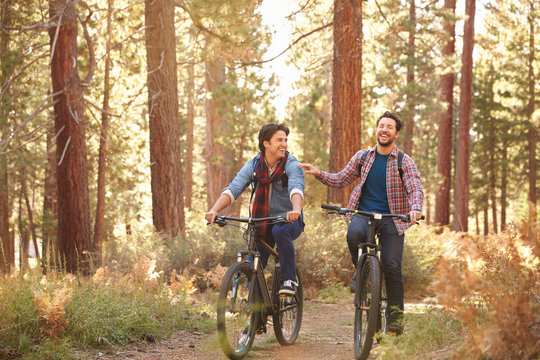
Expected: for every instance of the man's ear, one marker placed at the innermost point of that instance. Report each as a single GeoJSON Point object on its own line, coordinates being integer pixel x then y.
{"type": "Point", "coordinates": [266, 143]}
{"type": "Point", "coordinates": [397, 134]}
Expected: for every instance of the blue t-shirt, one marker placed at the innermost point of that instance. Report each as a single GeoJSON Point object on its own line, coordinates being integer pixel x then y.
{"type": "Point", "coordinates": [373, 197]}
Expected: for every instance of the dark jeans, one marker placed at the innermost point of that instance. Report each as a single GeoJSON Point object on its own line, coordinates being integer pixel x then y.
{"type": "Point", "coordinates": [283, 236]}
{"type": "Point", "coordinates": [391, 255]}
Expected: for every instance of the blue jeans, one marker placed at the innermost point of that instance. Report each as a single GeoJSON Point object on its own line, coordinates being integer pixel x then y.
{"type": "Point", "coordinates": [391, 256]}
{"type": "Point", "coordinates": [283, 236]}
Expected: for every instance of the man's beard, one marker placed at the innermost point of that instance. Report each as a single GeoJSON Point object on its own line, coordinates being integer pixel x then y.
{"type": "Point", "coordinates": [387, 143]}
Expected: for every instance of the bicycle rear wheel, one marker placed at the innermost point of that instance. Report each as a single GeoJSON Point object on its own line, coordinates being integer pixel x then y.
{"type": "Point", "coordinates": [288, 318]}
{"type": "Point", "coordinates": [235, 314]}
{"type": "Point", "coordinates": [367, 302]}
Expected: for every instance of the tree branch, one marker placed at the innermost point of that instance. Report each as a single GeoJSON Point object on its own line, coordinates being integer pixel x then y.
{"type": "Point", "coordinates": [90, 43]}
{"type": "Point", "coordinates": [7, 84]}
{"type": "Point", "coordinates": [390, 25]}
{"type": "Point", "coordinates": [41, 107]}
{"type": "Point", "coordinates": [290, 46]}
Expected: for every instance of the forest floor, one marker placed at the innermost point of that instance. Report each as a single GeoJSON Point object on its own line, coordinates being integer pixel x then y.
{"type": "Point", "coordinates": [326, 333]}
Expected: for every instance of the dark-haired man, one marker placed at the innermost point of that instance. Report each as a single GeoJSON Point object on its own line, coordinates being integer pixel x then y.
{"type": "Point", "coordinates": [279, 191]}
{"type": "Point", "coordinates": [389, 184]}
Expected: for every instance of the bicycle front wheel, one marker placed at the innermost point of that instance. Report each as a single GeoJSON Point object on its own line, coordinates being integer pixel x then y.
{"type": "Point", "coordinates": [235, 314]}
{"type": "Point", "coordinates": [288, 318]}
{"type": "Point", "coordinates": [367, 302]}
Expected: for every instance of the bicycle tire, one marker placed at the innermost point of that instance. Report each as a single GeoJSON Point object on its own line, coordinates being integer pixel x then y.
{"type": "Point", "coordinates": [287, 318]}
{"type": "Point", "coordinates": [367, 302]}
{"type": "Point", "coordinates": [235, 314]}
{"type": "Point", "coordinates": [382, 319]}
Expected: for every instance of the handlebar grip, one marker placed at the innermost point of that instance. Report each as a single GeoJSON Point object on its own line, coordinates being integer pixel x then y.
{"type": "Point", "coordinates": [330, 207]}
{"type": "Point", "coordinates": [423, 217]}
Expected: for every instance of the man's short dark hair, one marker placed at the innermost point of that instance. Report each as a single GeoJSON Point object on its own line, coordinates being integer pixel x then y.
{"type": "Point", "coordinates": [267, 131]}
{"type": "Point", "coordinates": [391, 115]}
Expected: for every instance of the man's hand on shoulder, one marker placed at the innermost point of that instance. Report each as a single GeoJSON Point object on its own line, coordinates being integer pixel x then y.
{"type": "Point", "coordinates": [309, 169]}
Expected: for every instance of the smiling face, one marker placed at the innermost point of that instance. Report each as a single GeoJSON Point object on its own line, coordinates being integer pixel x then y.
{"type": "Point", "coordinates": [276, 147]}
{"type": "Point", "coordinates": [386, 132]}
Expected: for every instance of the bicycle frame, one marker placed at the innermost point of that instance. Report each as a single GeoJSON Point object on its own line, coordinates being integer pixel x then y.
{"type": "Point", "coordinates": [244, 255]}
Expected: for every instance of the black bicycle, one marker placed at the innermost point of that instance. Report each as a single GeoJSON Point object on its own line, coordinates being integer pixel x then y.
{"type": "Point", "coordinates": [245, 301]}
{"type": "Point", "coordinates": [370, 299]}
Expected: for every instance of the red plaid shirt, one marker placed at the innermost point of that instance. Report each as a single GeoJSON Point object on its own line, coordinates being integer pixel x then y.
{"type": "Point", "coordinates": [402, 196]}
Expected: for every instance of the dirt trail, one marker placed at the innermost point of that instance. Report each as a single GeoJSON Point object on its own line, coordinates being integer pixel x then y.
{"type": "Point", "coordinates": [326, 334]}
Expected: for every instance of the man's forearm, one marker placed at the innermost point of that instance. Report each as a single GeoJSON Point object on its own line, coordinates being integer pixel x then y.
{"type": "Point", "coordinates": [297, 202]}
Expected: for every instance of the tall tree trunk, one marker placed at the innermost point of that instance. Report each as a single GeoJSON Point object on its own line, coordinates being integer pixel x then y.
{"type": "Point", "coordinates": [165, 151]}
{"type": "Point", "coordinates": [504, 184]}
{"type": "Point", "coordinates": [7, 248]}
{"type": "Point", "coordinates": [347, 90]}
{"type": "Point", "coordinates": [444, 148]}
{"type": "Point", "coordinates": [463, 152]}
{"type": "Point", "coordinates": [410, 101]}
{"type": "Point", "coordinates": [102, 159]}
{"type": "Point", "coordinates": [50, 205]}
{"type": "Point", "coordinates": [216, 154]}
{"type": "Point", "coordinates": [31, 224]}
{"type": "Point", "coordinates": [486, 220]}
{"type": "Point", "coordinates": [24, 235]}
{"type": "Point", "coordinates": [188, 169]}
{"type": "Point", "coordinates": [74, 243]}
{"type": "Point", "coordinates": [532, 127]}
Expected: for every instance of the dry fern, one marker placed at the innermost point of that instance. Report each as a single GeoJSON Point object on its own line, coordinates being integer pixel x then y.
{"type": "Point", "coordinates": [52, 312]}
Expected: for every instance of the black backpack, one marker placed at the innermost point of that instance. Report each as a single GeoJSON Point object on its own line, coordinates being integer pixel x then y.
{"type": "Point", "coordinates": [399, 162]}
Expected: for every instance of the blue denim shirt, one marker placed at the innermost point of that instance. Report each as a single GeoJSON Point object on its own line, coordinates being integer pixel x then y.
{"type": "Point", "coordinates": [280, 197]}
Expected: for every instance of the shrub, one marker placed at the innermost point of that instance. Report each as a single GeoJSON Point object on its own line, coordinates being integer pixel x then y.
{"type": "Point", "coordinates": [491, 282]}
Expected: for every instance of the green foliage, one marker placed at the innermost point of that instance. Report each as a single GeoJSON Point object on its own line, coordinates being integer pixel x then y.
{"type": "Point", "coordinates": [49, 317]}
{"type": "Point", "coordinates": [421, 251]}
{"type": "Point", "coordinates": [430, 333]}
{"type": "Point", "coordinates": [334, 294]}
{"type": "Point", "coordinates": [322, 253]}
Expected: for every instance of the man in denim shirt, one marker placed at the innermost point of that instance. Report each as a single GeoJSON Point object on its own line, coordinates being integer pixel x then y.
{"type": "Point", "coordinates": [381, 190]}
{"type": "Point", "coordinates": [279, 192]}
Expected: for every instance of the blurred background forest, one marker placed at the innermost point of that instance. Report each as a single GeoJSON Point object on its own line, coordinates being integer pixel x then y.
{"type": "Point", "coordinates": [140, 119]}
{"type": "Point", "coordinates": [121, 122]}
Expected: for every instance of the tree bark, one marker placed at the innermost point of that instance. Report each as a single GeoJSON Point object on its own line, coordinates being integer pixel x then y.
{"type": "Point", "coordinates": [73, 239]}
{"type": "Point", "coordinates": [102, 157]}
{"type": "Point", "coordinates": [165, 151]}
{"type": "Point", "coordinates": [444, 148]}
{"type": "Point", "coordinates": [410, 101]}
{"type": "Point", "coordinates": [217, 175]}
{"type": "Point", "coordinates": [463, 151]}
{"type": "Point", "coordinates": [7, 248]}
{"type": "Point", "coordinates": [532, 127]}
{"type": "Point", "coordinates": [31, 224]}
{"type": "Point", "coordinates": [504, 185]}
{"type": "Point", "coordinates": [50, 205]}
{"type": "Point", "coordinates": [24, 235]}
{"type": "Point", "coordinates": [346, 92]}
{"type": "Point", "coordinates": [188, 169]}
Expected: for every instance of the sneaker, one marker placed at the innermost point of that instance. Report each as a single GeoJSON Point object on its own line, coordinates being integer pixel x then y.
{"type": "Point", "coordinates": [243, 337]}
{"type": "Point", "coordinates": [288, 287]}
{"type": "Point", "coordinates": [352, 287]}
{"type": "Point", "coordinates": [395, 329]}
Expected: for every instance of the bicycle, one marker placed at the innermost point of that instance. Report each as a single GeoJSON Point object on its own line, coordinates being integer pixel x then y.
{"type": "Point", "coordinates": [370, 299]}
{"type": "Point", "coordinates": [245, 301]}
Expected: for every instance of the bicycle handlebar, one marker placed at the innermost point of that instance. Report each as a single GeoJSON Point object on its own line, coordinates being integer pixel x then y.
{"type": "Point", "coordinates": [223, 220]}
{"type": "Point", "coordinates": [343, 211]}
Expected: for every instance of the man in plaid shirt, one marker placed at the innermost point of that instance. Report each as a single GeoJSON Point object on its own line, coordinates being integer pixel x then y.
{"type": "Point", "coordinates": [381, 190]}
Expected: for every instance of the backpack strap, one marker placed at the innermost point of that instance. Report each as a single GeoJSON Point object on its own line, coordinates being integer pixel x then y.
{"type": "Point", "coordinates": [400, 156]}
{"type": "Point", "coordinates": [362, 161]}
